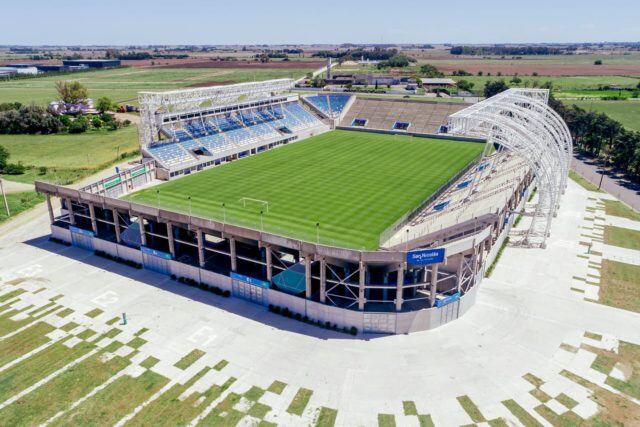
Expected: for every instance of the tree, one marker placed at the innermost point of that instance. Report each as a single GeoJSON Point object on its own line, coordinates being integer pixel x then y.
{"type": "Point", "coordinates": [71, 92]}
{"type": "Point", "coordinates": [516, 80]}
{"type": "Point", "coordinates": [597, 62]}
{"type": "Point", "coordinates": [104, 104]}
{"type": "Point", "coordinates": [465, 85]}
{"type": "Point", "coordinates": [494, 87]}
{"type": "Point", "coordinates": [430, 71]}
{"type": "Point", "coordinates": [4, 157]}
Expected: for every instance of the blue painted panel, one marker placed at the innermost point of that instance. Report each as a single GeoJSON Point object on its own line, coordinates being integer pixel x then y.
{"type": "Point", "coordinates": [426, 256]}
{"type": "Point", "coordinates": [253, 281]}
{"type": "Point", "coordinates": [81, 231]}
{"type": "Point", "coordinates": [448, 300]}
{"type": "Point", "coordinates": [441, 206]}
{"type": "Point", "coordinates": [464, 184]}
{"type": "Point", "coordinates": [155, 252]}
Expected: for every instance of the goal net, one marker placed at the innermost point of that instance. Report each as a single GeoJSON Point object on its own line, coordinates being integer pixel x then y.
{"type": "Point", "coordinates": [251, 203]}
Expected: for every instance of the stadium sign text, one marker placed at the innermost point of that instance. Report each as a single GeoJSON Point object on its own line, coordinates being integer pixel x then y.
{"type": "Point", "coordinates": [448, 300]}
{"type": "Point", "coordinates": [250, 280]}
{"type": "Point", "coordinates": [425, 256]}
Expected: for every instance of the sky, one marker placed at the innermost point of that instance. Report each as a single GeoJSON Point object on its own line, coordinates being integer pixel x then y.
{"type": "Point", "coordinates": [175, 22]}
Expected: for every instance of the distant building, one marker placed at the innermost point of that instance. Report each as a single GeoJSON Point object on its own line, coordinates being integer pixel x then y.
{"type": "Point", "coordinates": [22, 69]}
{"type": "Point", "coordinates": [8, 72]}
{"type": "Point", "coordinates": [438, 83]}
{"type": "Point", "coordinates": [84, 107]}
{"type": "Point", "coordinates": [92, 63]}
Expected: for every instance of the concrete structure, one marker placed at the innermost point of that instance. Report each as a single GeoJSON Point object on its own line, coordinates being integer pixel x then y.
{"type": "Point", "coordinates": [428, 279]}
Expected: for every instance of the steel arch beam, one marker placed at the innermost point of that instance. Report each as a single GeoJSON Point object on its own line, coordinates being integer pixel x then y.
{"type": "Point", "coordinates": [521, 121]}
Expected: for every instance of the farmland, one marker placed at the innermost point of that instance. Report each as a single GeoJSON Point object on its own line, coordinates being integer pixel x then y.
{"type": "Point", "coordinates": [123, 84]}
{"type": "Point", "coordinates": [626, 112]}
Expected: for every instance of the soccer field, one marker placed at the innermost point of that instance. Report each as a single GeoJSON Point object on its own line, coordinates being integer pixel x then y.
{"type": "Point", "coordinates": [354, 184]}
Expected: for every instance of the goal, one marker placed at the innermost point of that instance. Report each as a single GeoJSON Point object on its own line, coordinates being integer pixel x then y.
{"type": "Point", "coordinates": [255, 202]}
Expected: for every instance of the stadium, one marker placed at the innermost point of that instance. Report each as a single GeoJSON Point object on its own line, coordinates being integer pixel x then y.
{"type": "Point", "coordinates": [377, 214]}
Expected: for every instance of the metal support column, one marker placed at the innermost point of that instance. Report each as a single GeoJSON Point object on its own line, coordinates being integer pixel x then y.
{"type": "Point", "coordinates": [307, 275]}
{"type": "Point", "coordinates": [323, 280]}
{"type": "Point", "coordinates": [268, 261]}
{"type": "Point", "coordinates": [50, 209]}
{"type": "Point", "coordinates": [116, 224]}
{"type": "Point", "coordinates": [143, 235]}
{"type": "Point", "coordinates": [399, 287]}
{"type": "Point", "coordinates": [361, 274]}
{"type": "Point", "coordinates": [434, 285]}
{"type": "Point", "coordinates": [72, 218]}
{"type": "Point", "coordinates": [232, 250]}
{"type": "Point", "coordinates": [200, 237]}
{"type": "Point", "coordinates": [92, 214]}
{"type": "Point", "coordinates": [172, 246]}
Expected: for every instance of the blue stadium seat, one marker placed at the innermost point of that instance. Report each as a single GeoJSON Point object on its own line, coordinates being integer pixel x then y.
{"type": "Point", "coordinates": [331, 104]}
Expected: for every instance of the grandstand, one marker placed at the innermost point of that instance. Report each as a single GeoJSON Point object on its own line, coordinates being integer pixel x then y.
{"type": "Point", "coordinates": [331, 105]}
{"type": "Point", "coordinates": [421, 117]}
{"type": "Point", "coordinates": [190, 139]}
{"type": "Point", "coordinates": [365, 227]}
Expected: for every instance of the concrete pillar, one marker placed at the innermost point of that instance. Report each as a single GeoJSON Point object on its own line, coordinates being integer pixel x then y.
{"type": "Point", "coordinates": [72, 218]}
{"type": "Point", "coordinates": [200, 237]}
{"type": "Point", "coordinates": [143, 235]}
{"type": "Point", "coordinates": [50, 208]}
{"type": "Point", "coordinates": [268, 261]}
{"type": "Point", "coordinates": [92, 214]}
{"type": "Point", "coordinates": [307, 275]}
{"type": "Point", "coordinates": [362, 276]}
{"type": "Point", "coordinates": [232, 249]}
{"type": "Point", "coordinates": [323, 280]}
{"type": "Point", "coordinates": [434, 285]}
{"type": "Point", "coordinates": [399, 286]}
{"type": "Point", "coordinates": [116, 224]}
{"type": "Point", "coordinates": [172, 246]}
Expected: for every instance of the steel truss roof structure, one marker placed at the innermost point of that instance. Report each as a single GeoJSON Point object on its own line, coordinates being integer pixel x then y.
{"type": "Point", "coordinates": [521, 121]}
{"type": "Point", "coordinates": [154, 103]}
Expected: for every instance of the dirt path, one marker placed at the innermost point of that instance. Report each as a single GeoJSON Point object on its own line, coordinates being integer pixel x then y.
{"type": "Point", "coordinates": [16, 187]}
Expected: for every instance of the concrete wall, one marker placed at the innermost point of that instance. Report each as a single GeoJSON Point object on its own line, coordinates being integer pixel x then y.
{"type": "Point", "coordinates": [387, 322]}
{"type": "Point", "coordinates": [61, 233]}
{"type": "Point", "coordinates": [215, 279]}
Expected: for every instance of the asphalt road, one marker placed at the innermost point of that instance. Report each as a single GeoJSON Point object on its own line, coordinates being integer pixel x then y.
{"type": "Point", "coordinates": [612, 183]}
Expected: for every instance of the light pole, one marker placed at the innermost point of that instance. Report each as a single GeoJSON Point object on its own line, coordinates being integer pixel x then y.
{"type": "Point", "coordinates": [158, 197]}
{"type": "Point", "coordinates": [317, 232]}
{"type": "Point", "coordinates": [189, 205]}
{"type": "Point", "coordinates": [224, 214]}
{"type": "Point", "coordinates": [261, 223]}
{"type": "Point", "coordinates": [601, 176]}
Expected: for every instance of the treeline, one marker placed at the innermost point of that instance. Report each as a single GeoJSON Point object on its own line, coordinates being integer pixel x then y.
{"type": "Point", "coordinates": [18, 119]}
{"type": "Point", "coordinates": [377, 54]}
{"type": "Point", "coordinates": [594, 133]}
{"type": "Point", "coordinates": [599, 135]}
{"type": "Point", "coordinates": [140, 56]}
{"type": "Point", "coordinates": [507, 50]}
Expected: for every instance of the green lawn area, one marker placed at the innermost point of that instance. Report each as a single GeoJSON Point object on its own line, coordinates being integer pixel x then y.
{"type": "Point", "coordinates": [123, 84]}
{"type": "Point", "coordinates": [620, 285]}
{"type": "Point", "coordinates": [579, 179]}
{"type": "Point", "coordinates": [560, 83]}
{"type": "Point", "coordinates": [626, 112]}
{"type": "Point", "coordinates": [622, 237]}
{"type": "Point", "coordinates": [354, 184]}
{"type": "Point", "coordinates": [616, 208]}
{"type": "Point", "coordinates": [68, 157]}
{"type": "Point", "coordinates": [19, 202]}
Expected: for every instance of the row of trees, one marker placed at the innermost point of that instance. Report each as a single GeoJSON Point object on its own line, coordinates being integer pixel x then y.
{"type": "Point", "coordinates": [594, 133]}
{"type": "Point", "coordinates": [508, 50]}
{"type": "Point", "coordinates": [17, 119]}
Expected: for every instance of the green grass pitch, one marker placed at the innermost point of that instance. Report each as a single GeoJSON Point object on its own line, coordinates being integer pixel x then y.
{"type": "Point", "coordinates": [355, 184]}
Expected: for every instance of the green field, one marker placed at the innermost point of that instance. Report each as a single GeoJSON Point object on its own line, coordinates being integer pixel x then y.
{"type": "Point", "coordinates": [354, 184]}
{"type": "Point", "coordinates": [68, 157]}
{"type": "Point", "coordinates": [626, 112]}
{"type": "Point", "coordinates": [560, 83]}
{"type": "Point", "coordinates": [123, 84]}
